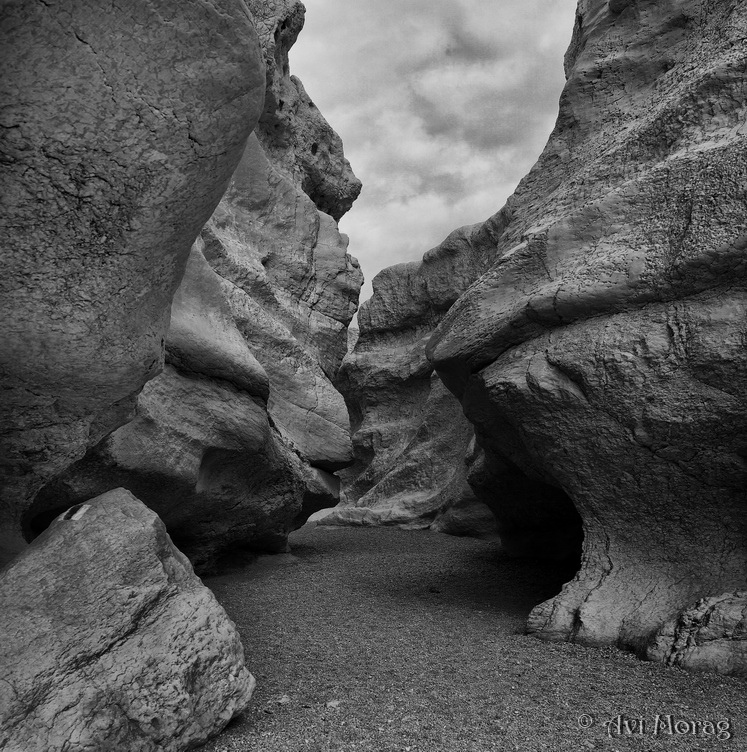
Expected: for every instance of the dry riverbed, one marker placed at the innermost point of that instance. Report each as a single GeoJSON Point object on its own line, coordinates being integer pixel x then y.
{"type": "Point", "coordinates": [384, 640]}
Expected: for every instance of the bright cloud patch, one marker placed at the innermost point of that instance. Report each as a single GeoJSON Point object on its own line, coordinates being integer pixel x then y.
{"type": "Point", "coordinates": [443, 105]}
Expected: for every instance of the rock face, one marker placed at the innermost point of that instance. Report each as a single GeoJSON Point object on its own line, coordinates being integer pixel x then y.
{"type": "Point", "coordinates": [710, 635]}
{"type": "Point", "coordinates": [594, 329]}
{"type": "Point", "coordinates": [294, 134]}
{"type": "Point", "coordinates": [602, 357]}
{"type": "Point", "coordinates": [236, 441]}
{"type": "Point", "coordinates": [110, 641]}
{"type": "Point", "coordinates": [110, 169]}
{"type": "Point", "coordinates": [410, 435]}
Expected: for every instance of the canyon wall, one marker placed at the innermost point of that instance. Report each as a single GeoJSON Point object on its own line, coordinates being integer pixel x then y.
{"type": "Point", "coordinates": [594, 333]}
{"type": "Point", "coordinates": [109, 172]}
{"type": "Point", "coordinates": [236, 442]}
{"type": "Point", "coordinates": [410, 436]}
{"type": "Point", "coordinates": [159, 343]}
{"type": "Point", "coordinates": [111, 168]}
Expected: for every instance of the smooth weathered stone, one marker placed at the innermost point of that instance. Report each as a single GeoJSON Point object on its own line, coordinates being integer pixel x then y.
{"type": "Point", "coordinates": [410, 435]}
{"type": "Point", "coordinates": [292, 289]}
{"type": "Point", "coordinates": [121, 126]}
{"type": "Point", "coordinates": [710, 636]}
{"type": "Point", "coordinates": [233, 444]}
{"type": "Point", "coordinates": [110, 641]}
{"type": "Point", "coordinates": [601, 355]}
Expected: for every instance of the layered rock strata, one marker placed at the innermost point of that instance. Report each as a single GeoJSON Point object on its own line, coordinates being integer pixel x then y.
{"type": "Point", "coordinates": [602, 357]}
{"type": "Point", "coordinates": [236, 442]}
{"type": "Point", "coordinates": [110, 169]}
{"type": "Point", "coordinates": [110, 641]}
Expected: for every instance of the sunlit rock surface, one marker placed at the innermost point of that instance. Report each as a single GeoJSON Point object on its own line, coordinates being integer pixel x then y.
{"type": "Point", "coordinates": [121, 126]}
{"type": "Point", "coordinates": [110, 641]}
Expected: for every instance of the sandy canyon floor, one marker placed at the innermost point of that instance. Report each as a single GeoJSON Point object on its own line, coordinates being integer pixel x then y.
{"type": "Point", "coordinates": [384, 640]}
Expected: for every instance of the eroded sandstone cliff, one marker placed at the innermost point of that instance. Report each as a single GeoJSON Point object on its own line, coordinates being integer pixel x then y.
{"type": "Point", "coordinates": [236, 441]}
{"type": "Point", "coordinates": [603, 353]}
{"type": "Point", "coordinates": [109, 171]}
{"type": "Point", "coordinates": [594, 329]}
{"type": "Point", "coordinates": [208, 345]}
{"type": "Point", "coordinates": [410, 436]}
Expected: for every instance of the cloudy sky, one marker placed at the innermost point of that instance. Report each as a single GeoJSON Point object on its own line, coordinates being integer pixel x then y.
{"type": "Point", "coordinates": [442, 105]}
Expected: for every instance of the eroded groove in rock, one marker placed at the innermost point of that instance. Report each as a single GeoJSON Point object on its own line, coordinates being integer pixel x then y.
{"type": "Point", "coordinates": [109, 171]}
{"type": "Point", "coordinates": [710, 635]}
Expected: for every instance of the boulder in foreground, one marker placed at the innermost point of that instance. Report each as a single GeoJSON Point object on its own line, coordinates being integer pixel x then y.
{"type": "Point", "coordinates": [110, 641]}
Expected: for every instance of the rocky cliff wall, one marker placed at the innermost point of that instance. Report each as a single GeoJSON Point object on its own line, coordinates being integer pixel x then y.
{"type": "Point", "coordinates": [110, 169]}
{"type": "Point", "coordinates": [410, 436]}
{"type": "Point", "coordinates": [603, 353]}
{"type": "Point", "coordinates": [594, 332]}
{"type": "Point", "coordinates": [236, 441]}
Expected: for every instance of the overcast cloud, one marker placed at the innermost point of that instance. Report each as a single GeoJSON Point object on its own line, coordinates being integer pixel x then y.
{"type": "Point", "coordinates": [442, 105]}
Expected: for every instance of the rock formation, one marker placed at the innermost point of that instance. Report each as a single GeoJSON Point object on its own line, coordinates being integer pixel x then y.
{"type": "Point", "coordinates": [236, 441]}
{"type": "Point", "coordinates": [594, 329]}
{"type": "Point", "coordinates": [110, 169]}
{"type": "Point", "coordinates": [409, 433]}
{"type": "Point", "coordinates": [602, 355]}
{"type": "Point", "coordinates": [110, 641]}
{"type": "Point", "coordinates": [711, 635]}
{"type": "Point", "coordinates": [201, 379]}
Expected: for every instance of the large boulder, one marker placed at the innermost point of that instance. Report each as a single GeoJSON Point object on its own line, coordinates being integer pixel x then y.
{"type": "Point", "coordinates": [601, 357]}
{"type": "Point", "coordinates": [236, 442]}
{"type": "Point", "coordinates": [110, 641]}
{"type": "Point", "coordinates": [121, 125]}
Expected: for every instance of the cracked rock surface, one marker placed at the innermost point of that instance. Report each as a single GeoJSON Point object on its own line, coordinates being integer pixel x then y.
{"type": "Point", "coordinates": [110, 641]}
{"type": "Point", "coordinates": [710, 635]}
{"type": "Point", "coordinates": [236, 442]}
{"type": "Point", "coordinates": [110, 168]}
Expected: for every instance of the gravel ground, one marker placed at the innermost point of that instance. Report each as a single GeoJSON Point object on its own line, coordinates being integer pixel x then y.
{"type": "Point", "coordinates": [385, 640]}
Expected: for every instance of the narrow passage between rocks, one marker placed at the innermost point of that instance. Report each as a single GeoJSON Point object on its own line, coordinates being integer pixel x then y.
{"type": "Point", "coordinates": [384, 640]}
